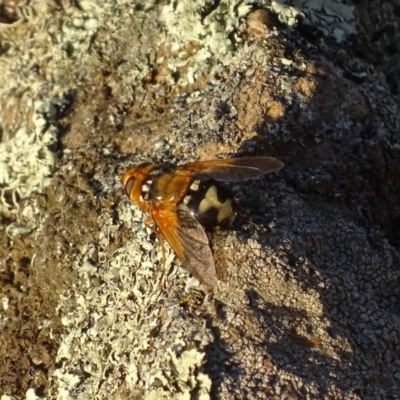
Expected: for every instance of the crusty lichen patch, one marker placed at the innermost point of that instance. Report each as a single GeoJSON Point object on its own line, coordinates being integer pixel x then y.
{"type": "Point", "coordinates": [114, 328]}
{"type": "Point", "coordinates": [26, 161]}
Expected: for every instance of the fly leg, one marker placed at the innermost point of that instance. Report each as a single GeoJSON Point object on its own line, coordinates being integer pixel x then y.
{"type": "Point", "coordinates": [150, 224]}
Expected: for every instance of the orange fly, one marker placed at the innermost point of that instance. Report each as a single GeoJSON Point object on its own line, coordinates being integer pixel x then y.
{"type": "Point", "coordinates": [183, 199]}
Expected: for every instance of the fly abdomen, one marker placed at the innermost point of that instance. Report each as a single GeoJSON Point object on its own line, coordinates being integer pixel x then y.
{"type": "Point", "coordinates": [210, 203]}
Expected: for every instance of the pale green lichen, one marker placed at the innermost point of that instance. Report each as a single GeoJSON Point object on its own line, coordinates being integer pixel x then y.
{"type": "Point", "coordinates": [26, 161]}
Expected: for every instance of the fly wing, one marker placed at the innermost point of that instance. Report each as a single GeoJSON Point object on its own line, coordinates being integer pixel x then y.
{"type": "Point", "coordinates": [189, 241]}
{"type": "Point", "coordinates": [232, 169]}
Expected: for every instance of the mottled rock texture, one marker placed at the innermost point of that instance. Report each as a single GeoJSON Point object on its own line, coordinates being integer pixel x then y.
{"type": "Point", "coordinates": [308, 299]}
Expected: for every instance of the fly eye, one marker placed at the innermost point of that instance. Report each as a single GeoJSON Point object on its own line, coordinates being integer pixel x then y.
{"type": "Point", "coordinates": [129, 186]}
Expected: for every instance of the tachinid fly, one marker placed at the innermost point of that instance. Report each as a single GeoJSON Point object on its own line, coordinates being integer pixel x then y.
{"type": "Point", "coordinates": [183, 199]}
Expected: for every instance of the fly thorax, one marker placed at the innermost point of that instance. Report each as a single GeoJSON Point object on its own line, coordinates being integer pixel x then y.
{"type": "Point", "coordinates": [154, 188]}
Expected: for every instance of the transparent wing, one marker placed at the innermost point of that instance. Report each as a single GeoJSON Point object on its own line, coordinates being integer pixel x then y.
{"type": "Point", "coordinates": [232, 169]}
{"type": "Point", "coordinates": [189, 241]}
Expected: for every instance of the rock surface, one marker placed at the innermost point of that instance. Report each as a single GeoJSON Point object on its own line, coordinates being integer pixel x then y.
{"type": "Point", "coordinates": [308, 298]}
